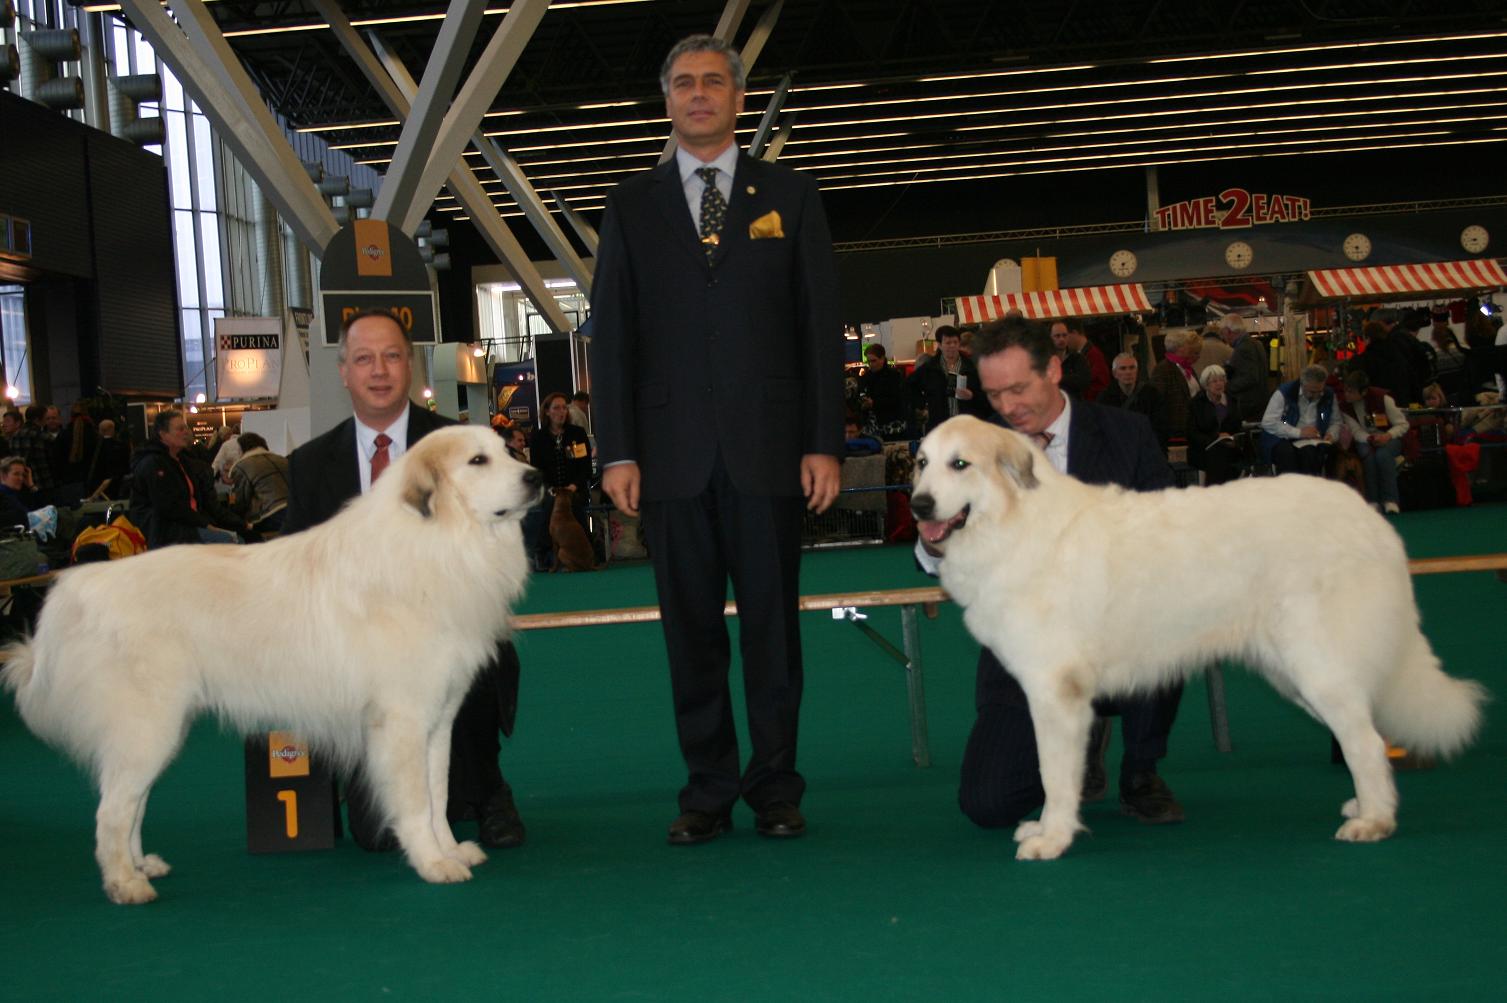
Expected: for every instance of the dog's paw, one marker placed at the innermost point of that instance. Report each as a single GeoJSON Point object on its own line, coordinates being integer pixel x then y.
{"type": "Point", "coordinates": [443, 871]}
{"type": "Point", "coordinates": [1350, 809]}
{"type": "Point", "coordinates": [154, 866]}
{"type": "Point", "coordinates": [470, 853]}
{"type": "Point", "coordinates": [135, 890]}
{"type": "Point", "coordinates": [1027, 830]}
{"type": "Point", "coordinates": [1365, 830]}
{"type": "Point", "coordinates": [1047, 846]}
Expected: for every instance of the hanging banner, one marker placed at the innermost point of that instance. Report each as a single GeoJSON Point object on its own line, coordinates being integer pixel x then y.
{"type": "Point", "coordinates": [1233, 209]}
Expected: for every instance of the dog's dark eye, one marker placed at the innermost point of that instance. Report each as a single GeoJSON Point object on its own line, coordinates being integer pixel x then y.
{"type": "Point", "coordinates": [921, 463]}
{"type": "Point", "coordinates": [960, 464]}
{"type": "Point", "coordinates": [480, 460]}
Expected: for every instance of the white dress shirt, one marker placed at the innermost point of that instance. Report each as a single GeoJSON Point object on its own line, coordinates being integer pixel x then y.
{"type": "Point", "coordinates": [366, 445]}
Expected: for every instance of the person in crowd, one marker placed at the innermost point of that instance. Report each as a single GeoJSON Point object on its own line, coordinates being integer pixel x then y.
{"type": "Point", "coordinates": [1175, 385]}
{"type": "Point", "coordinates": [110, 465]}
{"type": "Point", "coordinates": [173, 498]}
{"type": "Point", "coordinates": [225, 448]}
{"type": "Point", "coordinates": [1376, 428]}
{"type": "Point", "coordinates": [69, 455]}
{"type": "Point", "coordinates": [259, 485]}
{"type": "Point", "coordinates": [516, 439]}
{"type": "Point", "coordinates": [580, 410]}
{"type": "Point", "coordinates": [1246, 368]}
{"type": "Point", "coordinates": [1080, 347]}
{"type": "Point", "coordinates": [1385, 362]}
{"type": "Point", "coordinates": [52, 421]}
{"type": "Point", "coordinates": [1001, 780]}
{"type": "Point", "coordinates": [562, 452]}
{"type": "Point", "coordinates": [327, 471]}
{"type": "Point", "coordinates": [858, 444]}
{"type": "Point", "coordinates": [10, 424]}
{"type": "Point", "coordinates": [1213, 351]}
{"type": "Point", "coordinates": [1214, 428]}
{"type": "Point", "coordinates": [1419, 352]}
{"type": "Point", "coordinates": [1451, 362]}
{"type": "Point", "coordinates": [947, 383]}
{"type": "Point", "coordinates": [881, 389]}
{"type": "Point", "coordinates": [1076, 375]}
{"type": "Point", "coordinates": [30, 443]}
{"type": "Point", "coordinates": [1132, 393]}
{"type": "Point", "coordinates": [1481, 356]}
{"type": "Point", "coordinates": [17, 496]}
{"type": "Point", "coordinates": [1301, 424]}
{"type": "Point", "coordinates": [721, 407]}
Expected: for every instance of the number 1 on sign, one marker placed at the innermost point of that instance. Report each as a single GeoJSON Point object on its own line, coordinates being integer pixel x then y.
{"type": "Point", "coordinates": [290, 812]}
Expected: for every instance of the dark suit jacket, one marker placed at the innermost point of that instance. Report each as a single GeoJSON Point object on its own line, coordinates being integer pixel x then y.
{"type": "Point", "coordinates": [323, 474]}
{"type": "Point", "coordinates": [741, 356]}
{"type": "Point", "coordinates": [1113, 446]}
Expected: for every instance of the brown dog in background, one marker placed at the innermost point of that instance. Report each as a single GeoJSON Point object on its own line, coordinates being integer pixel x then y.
{"type": "Point", "coordinates": [572, 547]}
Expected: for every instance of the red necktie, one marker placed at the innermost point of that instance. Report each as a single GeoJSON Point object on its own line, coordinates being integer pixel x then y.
{"type": "Point", "coordinates": [380, 458]}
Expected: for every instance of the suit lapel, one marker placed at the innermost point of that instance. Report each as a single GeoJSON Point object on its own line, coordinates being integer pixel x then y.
{"type": "Point", "coordinates": [1083, 444]}
{"type": "Point", "coordinates": [669, 195]}
{"type": "Point", "coordinates": [347, 473]}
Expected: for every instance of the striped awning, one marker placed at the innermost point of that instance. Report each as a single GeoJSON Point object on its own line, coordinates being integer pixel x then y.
{"type": "Point", "coordinates": [1392, 281]}
{"type": "Point", "coordinates": [1084, 301]}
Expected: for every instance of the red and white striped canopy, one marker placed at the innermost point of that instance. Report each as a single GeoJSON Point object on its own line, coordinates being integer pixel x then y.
{"type": "Point", "coordinates": [1084, 301]}
{"type": "Point", "coordinates": [1391, 281]}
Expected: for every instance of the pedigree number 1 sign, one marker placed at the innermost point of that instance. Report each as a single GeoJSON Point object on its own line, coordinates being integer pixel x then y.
{"type": "Point", "coordinates": [1232, 209]}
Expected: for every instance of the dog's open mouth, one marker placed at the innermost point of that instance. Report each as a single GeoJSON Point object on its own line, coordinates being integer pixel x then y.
{"type": "Point", "coordinates": [934, 531]}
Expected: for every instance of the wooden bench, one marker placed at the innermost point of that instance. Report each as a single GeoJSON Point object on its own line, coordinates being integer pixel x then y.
{"type": "Point", "coordinates": [849, 605]}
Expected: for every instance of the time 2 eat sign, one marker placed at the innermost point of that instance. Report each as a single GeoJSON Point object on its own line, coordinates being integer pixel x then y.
{"type": "Point", "coordinates": [1232, 209]}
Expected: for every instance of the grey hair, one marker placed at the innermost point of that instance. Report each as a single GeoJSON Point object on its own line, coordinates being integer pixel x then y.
{"type": "Point", "coordinates": [703, 43]}
{"type": "Point", "coordinates": [1314, 374]}
{"type": "Point", "coordinates": [1209, 373]}
{"type": "Point", "coordinates": [1123, 355]}
{"type": "Point", "coordinates": [1233, 321]}
{"type": "Point", "coordinates": [11, 461]}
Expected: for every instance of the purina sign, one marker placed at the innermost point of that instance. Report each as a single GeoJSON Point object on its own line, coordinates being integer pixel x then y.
{"type": "Point", "coordinates": [1232, 209]}
{"type": "Point", "coordinates": [248, 357]}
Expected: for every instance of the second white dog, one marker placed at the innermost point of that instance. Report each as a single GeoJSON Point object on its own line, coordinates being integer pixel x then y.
{"type": "Point", "coordinates": [1084, 591]}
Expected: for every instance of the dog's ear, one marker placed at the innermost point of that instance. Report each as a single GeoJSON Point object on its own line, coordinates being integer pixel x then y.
{"type": "Point", "coordinates": [424, 475]}
{"type": "Point", "coordinates": [1017, 460]}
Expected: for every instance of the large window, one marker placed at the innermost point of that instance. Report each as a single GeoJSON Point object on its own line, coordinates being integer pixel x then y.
{"type": "Point", "coordinates": [13, 344]}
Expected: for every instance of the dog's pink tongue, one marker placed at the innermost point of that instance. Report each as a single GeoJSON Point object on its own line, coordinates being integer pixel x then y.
{"type": "Point", "coordinates": [931, 530]}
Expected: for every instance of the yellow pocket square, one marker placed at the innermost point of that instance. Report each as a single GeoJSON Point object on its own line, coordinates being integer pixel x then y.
{"type": "Point", "coordinates": [767, 225]}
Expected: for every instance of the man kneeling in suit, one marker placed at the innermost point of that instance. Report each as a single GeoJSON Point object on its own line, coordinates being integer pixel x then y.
{"type": "Point", "coordinates": [328, 471]}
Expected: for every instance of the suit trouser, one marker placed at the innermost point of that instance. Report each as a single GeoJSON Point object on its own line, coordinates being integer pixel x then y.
{"type": "Point", "coordinates": [696, 544]}
{"type": "Point", "coordinates": [474, 747]}
{"type": "Point", "coordinates": [1001, 775]}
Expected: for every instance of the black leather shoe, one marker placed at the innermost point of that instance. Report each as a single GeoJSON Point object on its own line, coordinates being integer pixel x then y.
{"type": "Point", "coordinates": [1146, 796]}
{"type": "Point", "coordinates": [698, 827]}
{"type": "Point", "coordinates": [501, 828]}
{"type": "Point", "coordinates": [781, 820]}
{"type": "Point", "coordinates": [1095, 779]}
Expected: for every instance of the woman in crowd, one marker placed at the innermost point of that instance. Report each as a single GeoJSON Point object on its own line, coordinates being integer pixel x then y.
{"type": "Point", "coordinates": [1213, 428]}
{"type": "Point", "coordinates": [1376, 426]}
{"type": "Point", "coordinates": [1175, 385]}
{"type": "Point", "coordinates": [562, 452]}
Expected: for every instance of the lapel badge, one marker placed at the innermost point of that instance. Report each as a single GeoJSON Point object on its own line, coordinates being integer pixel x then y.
{"type": "Point", "coordinates": [751, 190]}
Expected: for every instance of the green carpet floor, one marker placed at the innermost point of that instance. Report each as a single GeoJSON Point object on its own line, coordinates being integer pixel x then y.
{"type": "Point", "coordinates": [893, 895]}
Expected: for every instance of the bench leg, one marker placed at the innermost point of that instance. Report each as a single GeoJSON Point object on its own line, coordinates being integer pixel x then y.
{"type": "Point", "coordinates": [1219, 719]}
{"type": "Point", "coordinates": [915, 685]}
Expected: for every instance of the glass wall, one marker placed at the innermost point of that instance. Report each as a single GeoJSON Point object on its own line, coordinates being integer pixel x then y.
{"type": "Point", "coordinates": [14, 346]}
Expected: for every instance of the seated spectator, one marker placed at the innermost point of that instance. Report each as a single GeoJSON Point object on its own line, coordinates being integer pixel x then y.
{"type": "Point", "coordinates": [1376, 428]}
{"type": "Point", "coordinates": [173, 496]}
{"type": "Point", "coordinates": [10, 424]}
{"type": "Point", "coordinates": [1175, 385]}
{"type": "Point", "coordinates": [1450, 360]}
{"type": "Point", "coordinates": [30, 443]}
{"type": "Point", "coordinates": [1214, 428]}
{"type": "Point", "coordinates": [857, 443]}
{"type": "Point", "coordinates": [881, 390]}
{"type": "Point", "coordinates": [17, 496]}
{"type": "Point", "coordinates": [1132, 393]}
{"type": "Point", "coordinates": [259, 484]}
{"type": "Point", "coordinates": [110, 466]}
{"type": "Point", "coordinates": [1301, 424]}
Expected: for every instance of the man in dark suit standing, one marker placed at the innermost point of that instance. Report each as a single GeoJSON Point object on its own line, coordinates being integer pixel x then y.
{"type": "Point", "coordinates": [325, 473]}
{"type": "Point", "coordinates": [1001, 777]}
{"type": "Point", "coordinates": [716, 362]}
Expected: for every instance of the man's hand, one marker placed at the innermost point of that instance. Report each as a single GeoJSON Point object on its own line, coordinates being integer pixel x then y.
{"type": "Point", "coordinates": [621, 481]}
{"type": "Point", "coordinates": [1308, 432]}
{"type": "Point", "coordinates": [964, 394]}
{"type": "Point", "coordinates": [1378, 439]}
{"type": "Point", "coordinates": [820, 480]}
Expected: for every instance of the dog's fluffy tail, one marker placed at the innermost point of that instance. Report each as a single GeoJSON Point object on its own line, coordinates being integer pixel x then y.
{"type": "Point", "coordinates": [19, 665]}
{"type": "Point", "coordinates": [1425, 710]}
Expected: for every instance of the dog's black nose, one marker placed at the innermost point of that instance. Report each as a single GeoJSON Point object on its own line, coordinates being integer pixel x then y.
{"type": "Point", "coordinates": [532, 477]}
{"type": "Point", "coordinates": [922, 505]}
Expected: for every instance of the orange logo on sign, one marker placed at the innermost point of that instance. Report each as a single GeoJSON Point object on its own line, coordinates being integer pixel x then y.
{"type": "Point", "coordinates": [373, 250]}
{"type": "Point", "coordinates": [287, 756]}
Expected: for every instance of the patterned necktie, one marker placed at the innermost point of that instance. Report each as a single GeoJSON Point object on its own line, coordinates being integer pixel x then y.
{"type": "Point", "coordinates": [713, 211]}
{"type": "Point", "coordinates": [380, 458]}
{"type": "Point", "coordinates": [1043, 439]}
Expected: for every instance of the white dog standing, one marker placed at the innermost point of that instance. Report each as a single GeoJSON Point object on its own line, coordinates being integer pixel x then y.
{"type": "Point", "coordinates": [362, 635]}
{"type": "Point", "coordinates": [1326, 612]}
